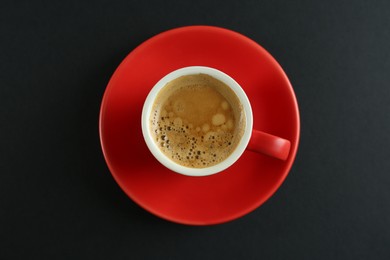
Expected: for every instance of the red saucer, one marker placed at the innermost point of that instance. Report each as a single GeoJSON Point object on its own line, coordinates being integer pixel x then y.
{"type": "Point", "coordinates": [197, 200]}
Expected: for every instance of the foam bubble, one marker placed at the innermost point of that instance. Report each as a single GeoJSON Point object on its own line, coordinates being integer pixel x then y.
{"type": "Point", "coordinates": [179, 106]}
{"type": "Point", "coordinates": [205, 128]}
{"type": "Point", "coordinates": [229, 124]}
{"type": "Point", "coordinates": [218, 119]}
{"type": "Point", "coordinates": [210, 135]}
{"type": "Point", "coordinates": [225, 105]}
{"type": "Point", "coordinates": [164, 113]}
{"type": "Point", "coordinates": [178, 121]}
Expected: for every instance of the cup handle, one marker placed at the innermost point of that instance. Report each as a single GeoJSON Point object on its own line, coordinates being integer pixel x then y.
{"type": "Point", "coordinates": [270, 145]}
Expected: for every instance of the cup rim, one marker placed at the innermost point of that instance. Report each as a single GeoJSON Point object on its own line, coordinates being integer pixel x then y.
{"type": "Point", "coordinates": [170, 164]}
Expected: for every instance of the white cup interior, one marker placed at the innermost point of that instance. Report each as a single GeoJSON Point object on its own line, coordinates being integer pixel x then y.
{"type": "Point", "coordinates": [166, 161]}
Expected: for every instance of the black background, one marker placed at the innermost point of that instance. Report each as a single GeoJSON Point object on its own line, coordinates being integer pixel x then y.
{"type": "Point", "coordinates": [58, 199]}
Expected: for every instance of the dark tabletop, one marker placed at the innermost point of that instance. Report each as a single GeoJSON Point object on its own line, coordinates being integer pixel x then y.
{"type": "Point", "coordinates": [58, 199]}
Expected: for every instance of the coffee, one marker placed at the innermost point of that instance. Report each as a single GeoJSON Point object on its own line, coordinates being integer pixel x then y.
{"type": "Point", "coordinates": [197, 121]}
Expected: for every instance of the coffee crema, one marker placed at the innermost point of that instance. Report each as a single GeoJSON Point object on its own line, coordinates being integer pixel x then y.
{"type": "Point", "coordinates": [197, 121]}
